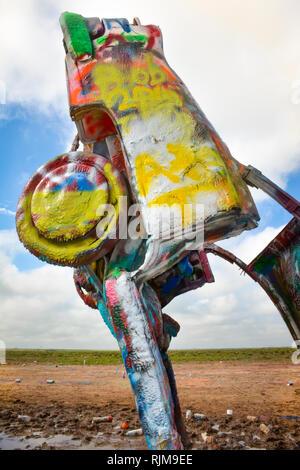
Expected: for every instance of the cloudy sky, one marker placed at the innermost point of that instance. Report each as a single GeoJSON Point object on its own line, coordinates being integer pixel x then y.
{"type": "Point", "coordinates": [241, 62]}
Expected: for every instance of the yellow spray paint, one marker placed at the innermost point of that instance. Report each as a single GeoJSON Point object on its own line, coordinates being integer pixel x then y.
{"type": "Point", "coordinates": [202, 166]}
{"type": "Point", "coordinates": [182, 169]}
{"type": "Point", "coordinates": [190, 167]}
{"type": "Point", "coordinates": [55, 219]}
{"type": "Point", "coordinates": [66, 214]}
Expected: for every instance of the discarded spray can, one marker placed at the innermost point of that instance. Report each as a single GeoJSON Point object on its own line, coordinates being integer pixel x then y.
{"type": "Point", "coordinates": [264, 428]}
{"type": "Point", "coordinates": [50, 381]}
{"type": "Point", "coordinates": [102, 419]}
{"type": "Point", "coordinates": [24, 418]}
{"type": "Point", "coordinates": [200, 416]}
{"type": "Point", "coordinates": [188, 414]}
{"type": "Point", "coordinates": [134, 432]}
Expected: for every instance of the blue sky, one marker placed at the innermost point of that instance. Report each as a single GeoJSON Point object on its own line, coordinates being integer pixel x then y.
{"type": "Point", "coordinates": [242, 64]}
{"type": "Point", "coordinates": [28, 140]}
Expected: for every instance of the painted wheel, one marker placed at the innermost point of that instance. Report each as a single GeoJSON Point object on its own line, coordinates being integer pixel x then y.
{"type": "Point", "coordinates": [296, 357]}
{"type": "Point", "coordinates": [61, 215]}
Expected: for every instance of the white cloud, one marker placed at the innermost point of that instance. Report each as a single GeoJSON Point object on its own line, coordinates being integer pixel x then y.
{"type": "Point", "coordinates": [250, 244]}
{"type": "Point", "coordinates": [32, 56]}
{"type": "Point", "coordinates": [5, 211]}
{"type": "Point", "coordinates": [239, 60]}
{"type": "Point", "coordinates": [9, 244]}
{"type": "Point", "coordinates": [41, 308]}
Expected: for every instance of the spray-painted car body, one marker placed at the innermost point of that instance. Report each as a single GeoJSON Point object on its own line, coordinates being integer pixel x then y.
{"type": "Point", "coordinates": [146, 143]}
{"type": "Point", "coordinates": [172, 153]}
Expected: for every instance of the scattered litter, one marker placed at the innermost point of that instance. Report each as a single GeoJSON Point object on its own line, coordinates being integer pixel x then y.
{"type": "Point", "coordinates": [255, 437]}
{"type": "Point", "coordinates": [134, 432]}
{"type": "Point", "coordinates": [215, 427]}
{"type": "Point", "coordinates": [229, 412]}
{"type": "Point", "coordinates": [24, 418]}
{"type": "Point", "coordinates": [188, 415]}
{"type": "Point", "coordinates": [102, 419]}
{"type": "Point", "coordinates": [296, 357]}
{"type": "Point", "coordinates": [251, 418]}
{"type": "Point", "coordinates": [264, 428]}
{"type": "Point", "coordinates": [84, 362]}
{"type": "Point", "coordinates": [223, 433]}
{"type": "Point", "coordinates": [290, 437]}
{"type": "Point", "coordinates": [116, 428]}
{"type": "Point", "coordinates": [50, 381]}
{"type": "Point", "coordinates": [200, 416]}
{"type": "Point", "coordinates": [124, 375]}
{"type": "Point", "coordinates": [290, 384]}
{"type": "Point", "coordinates": [204, 436]}
{"type": "Point", "coordinates": [124, 425]}
{"type": "Point", "coordinates": [242, 443]}
{"type": "Point", "coordinates": [18, 381]}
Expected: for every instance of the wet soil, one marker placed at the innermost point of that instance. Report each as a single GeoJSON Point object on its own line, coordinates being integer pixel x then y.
{"type": "Point", "coordinates": [61, 413]}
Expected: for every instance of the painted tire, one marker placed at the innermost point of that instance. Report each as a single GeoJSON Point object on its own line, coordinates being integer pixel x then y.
{"type": "Point", "coordinates": [57, 212]}
{"type": "Point", "coordinates": [296, 357]}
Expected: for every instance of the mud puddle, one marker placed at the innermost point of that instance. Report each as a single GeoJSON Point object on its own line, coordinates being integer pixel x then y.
{"type": "Point", "coordinates": [62, 442]}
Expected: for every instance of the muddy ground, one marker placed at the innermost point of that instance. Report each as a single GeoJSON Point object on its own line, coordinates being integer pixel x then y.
{"type": "Point", "coordinates": [61, 413]}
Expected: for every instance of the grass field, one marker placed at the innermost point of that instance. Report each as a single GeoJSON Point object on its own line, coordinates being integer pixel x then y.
{"type": "Point", "coordinates": [68, 356]}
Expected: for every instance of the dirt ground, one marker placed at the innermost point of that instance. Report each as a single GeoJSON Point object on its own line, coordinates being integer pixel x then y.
{"type": "Point", "coordinates": [61, 413]}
